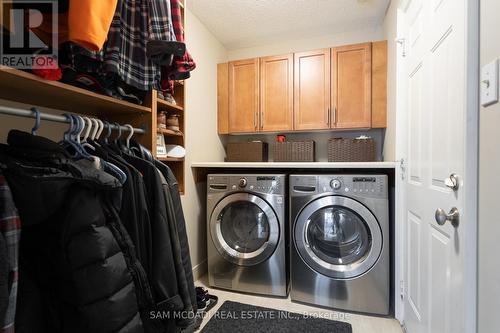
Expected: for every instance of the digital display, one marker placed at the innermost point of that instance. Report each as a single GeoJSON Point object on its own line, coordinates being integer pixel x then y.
{"type": "Point", "coordinates": [364, 180]}
{"type": "Point", "coordinates": [266, 178]}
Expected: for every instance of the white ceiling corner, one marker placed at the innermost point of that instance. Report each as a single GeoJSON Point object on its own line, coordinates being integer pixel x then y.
{"type": "Point", "coordinates": [246, 23]}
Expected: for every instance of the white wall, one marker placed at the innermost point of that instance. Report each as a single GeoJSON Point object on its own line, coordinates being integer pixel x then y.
{"type": "Point", "coordinates": [390, 34]}
{"type": "Point", "coordinates": [489, 183]}
{"type": "Point", "coordinates": [297, 45]}
{"type": "Point", "coordinates": [202, 141]}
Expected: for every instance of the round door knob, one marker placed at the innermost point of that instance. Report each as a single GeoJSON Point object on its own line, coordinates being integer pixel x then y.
{"type": "Point", "coordinates": [336, 184]}
{"type": "Point", "coordinates": [243, 182]}
{"type": "Point", "coordinates": [453, 216]}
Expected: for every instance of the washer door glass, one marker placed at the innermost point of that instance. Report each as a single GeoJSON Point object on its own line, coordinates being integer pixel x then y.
{"type": "Point", "coordinates": [244, 229]}
{"type": "Point", "coordinates": [338, 235]}
{"type": "Point", "coordinates": [244, 226]}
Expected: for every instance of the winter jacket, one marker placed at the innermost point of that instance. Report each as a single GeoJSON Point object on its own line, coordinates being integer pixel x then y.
{"type": "Point", "coordinates": [164, 282]}
{"type": "Point", "coordinates": [78, 268]}
{"type": "Point", "coordinates": [174, 205]}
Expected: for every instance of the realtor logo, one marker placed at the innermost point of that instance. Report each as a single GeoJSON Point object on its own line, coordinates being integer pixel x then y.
{"type": "Point", "coordinates": [28, 38]}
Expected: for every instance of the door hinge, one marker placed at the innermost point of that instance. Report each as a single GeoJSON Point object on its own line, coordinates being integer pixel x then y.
{"type": "Point", "coordinates": [402, 167]}
{"type": "Point", "coordinates": [402, 290]}
{"type": "Point", "coordinates": [402, 43]}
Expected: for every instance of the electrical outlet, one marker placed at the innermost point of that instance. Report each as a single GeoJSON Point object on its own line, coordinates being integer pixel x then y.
{"type": "Point", "coordinates": [489, 83]}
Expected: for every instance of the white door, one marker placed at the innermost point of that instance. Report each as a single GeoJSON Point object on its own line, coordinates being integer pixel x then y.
{"type": "Point", "coordinates": [439, 132]}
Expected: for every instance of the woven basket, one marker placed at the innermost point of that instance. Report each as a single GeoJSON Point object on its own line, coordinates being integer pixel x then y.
{"type": "Point", "coordinates": [293, 151]}
{"type": "Point", "coordinates": [351, 150]}
{"type": "Point", "coordinates": [247, 152]}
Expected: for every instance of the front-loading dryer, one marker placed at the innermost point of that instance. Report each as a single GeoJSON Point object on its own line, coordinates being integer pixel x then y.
{"type": "Point", "coordinates": [340, 242]}
{"type": "Point", "coordinates": [246, 233]}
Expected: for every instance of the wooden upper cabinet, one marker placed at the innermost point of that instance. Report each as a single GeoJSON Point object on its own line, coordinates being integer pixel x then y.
{"type": "Point", "coordinates": [379, 84]}
{"type": "Point", "coordinates": [276, 93]}
{"type": "Point", "coordinates": [243, 96]}
{"type": "Point", "coordinates": [351, 86]}
{"type": "Point", "coordinates": [222, 98]}
{"type": "Point", "coordinates": [312, 90]}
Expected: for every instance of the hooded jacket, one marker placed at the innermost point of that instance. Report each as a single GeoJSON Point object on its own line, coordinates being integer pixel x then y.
{"type": "Point", "coordinates": [78, 269]}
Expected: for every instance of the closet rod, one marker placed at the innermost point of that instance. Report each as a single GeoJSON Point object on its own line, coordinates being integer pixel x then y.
{"type": "Point", "coordinates": [54, 118]}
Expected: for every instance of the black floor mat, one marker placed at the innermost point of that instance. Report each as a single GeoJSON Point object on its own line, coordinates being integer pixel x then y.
{"type": "Point", "coordinates": [235, 317]}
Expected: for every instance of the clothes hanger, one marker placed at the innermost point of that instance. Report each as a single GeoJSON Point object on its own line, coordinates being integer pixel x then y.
{"type": "Point", "coordinates": [101, 128]}
{"type": "Point", "coordinates": [88, 128]}
{"type": "Point", "coordinates": [107, 125]}
{"type": "Point", "coordinates": [69, 136]}
{"type": "Point", "coordinates": [81, 127]}
{"type": "Point", "coordinates": [68, 132]}
{"type": "Point", "coordinates": [119, 133]}
{"type": "Point", "coordinates": [131, 134]}
{"type": "Point", "coordinates": [96, 127]}
{"type": "Point", "coordinates": [37, 121]}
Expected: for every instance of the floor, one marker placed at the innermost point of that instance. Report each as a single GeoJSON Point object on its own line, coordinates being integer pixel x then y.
{"type": "Point", "coordinates": [360, 324]}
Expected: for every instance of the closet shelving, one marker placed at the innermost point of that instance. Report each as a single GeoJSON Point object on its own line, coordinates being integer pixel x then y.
{"type": "Point", "coordinates": [24, 87]}
{"type": "Point", "coordinates": [177, 165]}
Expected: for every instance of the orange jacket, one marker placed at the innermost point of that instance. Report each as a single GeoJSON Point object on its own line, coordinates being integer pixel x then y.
{"type": "Point", "coordinates": [89, 22]}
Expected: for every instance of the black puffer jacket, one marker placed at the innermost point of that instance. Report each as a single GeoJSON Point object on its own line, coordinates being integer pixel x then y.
{"type": "Point", "coordinates": [78, 270]}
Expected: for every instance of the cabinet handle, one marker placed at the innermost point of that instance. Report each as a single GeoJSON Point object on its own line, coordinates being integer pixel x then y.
{"type": "Point", "coordinates": [329, 117]}
{"type": "Point", "coordinates": [262, 120]}
{"type": "Point", "coordinates": [334, 115]}
{"type": "Point", "coordinates": [255, 120]}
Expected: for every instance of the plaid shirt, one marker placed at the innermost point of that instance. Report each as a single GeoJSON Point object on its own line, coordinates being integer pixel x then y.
{"type": "Point", "coordinates": [182, 64]}
{"type": "Point", "coordinates": [10, 228]}
{"type": "Point", "coordinates": [135, 23]}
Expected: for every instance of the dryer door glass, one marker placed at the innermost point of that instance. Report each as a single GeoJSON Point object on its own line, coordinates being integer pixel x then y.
{"type": "Point", "coordinates": [245, 229]}
{"type": "Point", "coordinates": [244, 226]}
{"type": "Point", "coordinates": [338, 235]}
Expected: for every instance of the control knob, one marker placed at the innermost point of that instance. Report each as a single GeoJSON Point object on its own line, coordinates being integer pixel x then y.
{"type": "Point", "coordinates": [335, 184]}
{"type": "Point", "coordinates": [243, 182]}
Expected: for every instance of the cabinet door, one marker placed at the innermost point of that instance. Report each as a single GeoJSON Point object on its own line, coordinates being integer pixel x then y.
{"type": "Point", "coordinates": [276, 93]}
{"type": "Point", "coordinates": [243, 96]}
{"type": "Point", "coordinates": [312, 90]}
{"type": "Point", "coordinates": [351, 86]}
{"type": "Point", "coordinates": [379, 84]}
{"type": "Point", "coordinates": [222, 98]}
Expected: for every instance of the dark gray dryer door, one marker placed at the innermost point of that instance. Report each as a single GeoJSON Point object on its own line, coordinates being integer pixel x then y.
{"type": "Point", "coordinates": [244, 229]}
{"type": "Point", "coordinates": [338, 237]}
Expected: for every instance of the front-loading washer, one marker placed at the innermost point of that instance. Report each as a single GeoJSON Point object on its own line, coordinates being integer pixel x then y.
{"type": "Point", "coordinates": [246, 243]}
{"type": "Point", "coordinates": [340, 242]}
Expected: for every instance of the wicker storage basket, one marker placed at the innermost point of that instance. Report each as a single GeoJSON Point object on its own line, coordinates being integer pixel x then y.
{"type": "Point", "coordinates": [293, 151]}
{"type": "Point", "coordinates": [247, 152]}
{"type": "Point", "coordinates": [351, 150]}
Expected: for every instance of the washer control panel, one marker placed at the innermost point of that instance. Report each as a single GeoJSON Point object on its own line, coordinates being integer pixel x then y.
{"type": "Point", "coordinates": [267, 184]}
{"type": "Point", "coordinates": [375, 186]}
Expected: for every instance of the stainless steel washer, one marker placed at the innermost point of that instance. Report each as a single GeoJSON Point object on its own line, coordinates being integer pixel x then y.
{"type": "Point", "coordinates": [246, 233]}
{"type": "Point", "coordinates": [340, 234]}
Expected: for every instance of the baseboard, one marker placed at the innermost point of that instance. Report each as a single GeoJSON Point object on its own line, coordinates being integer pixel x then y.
{"type": "Point", "coordinates": [200, 270]}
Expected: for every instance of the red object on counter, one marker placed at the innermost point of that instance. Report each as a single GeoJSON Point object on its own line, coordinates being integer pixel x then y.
{"type": "Point", "coordinates": [280, 138]}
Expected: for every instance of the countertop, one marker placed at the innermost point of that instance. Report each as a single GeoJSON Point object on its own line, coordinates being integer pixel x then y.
{"type": "Point", "coordinates": [297, 165]}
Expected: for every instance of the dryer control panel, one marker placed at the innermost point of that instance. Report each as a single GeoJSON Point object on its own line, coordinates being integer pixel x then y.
{"type": "Point", "coordinates": [267, 184]}
{"type": "Point", "coordinates": [372, 186]}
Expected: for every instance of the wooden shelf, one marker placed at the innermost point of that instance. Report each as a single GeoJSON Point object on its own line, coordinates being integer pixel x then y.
{"type": "Point", "coordinates": [171, 159]}
{"type": "Point", "coordinates": [168, 132]}
{"type": "Point", "coordinates": [24, 87]}
{"type": "Point", "coordinates": [166, 106]}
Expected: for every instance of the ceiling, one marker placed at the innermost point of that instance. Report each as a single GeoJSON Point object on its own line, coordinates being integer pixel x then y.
{"type": "Point", "coordinates": [246, 23]}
